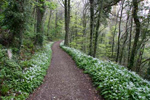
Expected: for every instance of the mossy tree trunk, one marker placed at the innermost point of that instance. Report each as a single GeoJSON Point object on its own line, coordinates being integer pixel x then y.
{"type": "Point", "coordinates": [137, 34]}
{"type": "Point", "coordinates": [40, 13]}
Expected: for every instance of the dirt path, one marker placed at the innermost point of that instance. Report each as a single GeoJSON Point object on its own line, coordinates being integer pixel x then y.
{"type": "Point", "coordinates": [64, 81]}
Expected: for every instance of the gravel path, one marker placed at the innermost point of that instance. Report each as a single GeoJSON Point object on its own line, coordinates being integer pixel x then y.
{"type": "Point", "coordinates": [64, 81]}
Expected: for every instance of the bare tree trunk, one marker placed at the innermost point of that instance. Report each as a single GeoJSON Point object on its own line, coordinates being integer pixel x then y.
{"type": "Point", "coordinates": [113, 41]}
{"type": "Point", "coordinates": [97, 28]}
{"type": "Point", "coordinates": [84, 29]}
{"type": "Point", "coordinates": [137, 34]}
{"type": "Point", "coordinates": [124, 42]}
{"type": "Point", "coordinates": [130, 37]}
{"type": "Point", "coordinates": [91, 26]}
{"type": "Point", "coordinates": [139, 59]}
{"type": "Point", "coordinates": [49, 21]}
{"type": "Point", "coordinates": [56, 24]}
{"type": "Point", "coordinates": [147, 76]}
{"type": "Point", "coordinates": [67, 21]}
{"type": "Point", "coordinates": [114, 33]}
{"type": "Point", "coordinates": [76, 30]}
{"type": "Point", "coordinates": [118, 48]}
{"type": "Point", "coordinates": [141, 47]}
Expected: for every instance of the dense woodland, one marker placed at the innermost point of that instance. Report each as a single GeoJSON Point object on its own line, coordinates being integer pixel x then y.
{"type": "Point", "coordinates": [111, 30]}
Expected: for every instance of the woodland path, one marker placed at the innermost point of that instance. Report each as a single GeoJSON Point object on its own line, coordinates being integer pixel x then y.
{"type": "Point", "coordinates": [64, 81]}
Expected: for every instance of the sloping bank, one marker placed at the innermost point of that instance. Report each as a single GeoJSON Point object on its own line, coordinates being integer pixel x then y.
{"type": "Point", "coordinates": [115, 82]}
{"type": "Point", "coordinates": [24, 82]}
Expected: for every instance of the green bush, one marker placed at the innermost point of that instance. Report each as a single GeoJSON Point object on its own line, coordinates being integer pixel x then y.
{"type": "Point", "coordinates": [10, 74]}
{"type": "Point", "coordinates": [113, 81]}
{"type": "Point", "coordinates": [17, 81]}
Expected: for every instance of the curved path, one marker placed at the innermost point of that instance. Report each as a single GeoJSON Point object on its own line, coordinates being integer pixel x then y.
{"type": "Point", "coordinates": [64, 81]}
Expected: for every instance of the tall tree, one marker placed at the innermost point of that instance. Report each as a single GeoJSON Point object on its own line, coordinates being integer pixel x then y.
{"type": "Point", "coordinates": [119, 35]}
{"type": "Point", "coordinates": [40, 13]}
{"type": "Point", "coordinates": [125, 37]}
{"type": "Point", "coordinates": [84, 21]}
{"type": "Point", "coordinates": [49, 21]}
{"type": "Point", "coordinates": [67, 21]}
{"type": "Point", "coordinates": [97, 27]}
{"type": "Point", "coordinates": [137, 34]}
{"type": "Point", "coordinates": [130, 38]}
{"type": "Point", "coordinates": [91, 26]}
{"type": "Point", "coordinates": [56, 24]}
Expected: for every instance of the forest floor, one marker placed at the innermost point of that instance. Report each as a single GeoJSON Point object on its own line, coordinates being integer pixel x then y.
{"type": "Point", "coordinates": [64, 80]}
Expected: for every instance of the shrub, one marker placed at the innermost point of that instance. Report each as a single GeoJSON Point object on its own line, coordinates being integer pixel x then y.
{"type": "Point", "coordinates": [10, 74]}
{"type": "Point", "coordinates": [115, 82]}
{"type": "Point", "coordinates": [17, 81]}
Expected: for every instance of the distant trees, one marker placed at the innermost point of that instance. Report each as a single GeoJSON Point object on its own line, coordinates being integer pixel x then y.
{"type": "Point", "coordinates": [100, 12]}
{"type": "Point", "coordinates": [101, 8]}
{"type": "Point", "coordinates": [120, 34]}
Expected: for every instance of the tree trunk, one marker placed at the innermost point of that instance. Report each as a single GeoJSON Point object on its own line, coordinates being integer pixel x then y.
{"type": "Point", "coordinates": [124, 42]}
{"type": "Point", "coordinates": [40, 14]}
{"type": "Point", "coordinates": [118, 48]}
{"type": "Point", "coordinates": [141, 47]}
{"type": "Point", "coordinates": [137, 34]}
{"type": "Point", "coordinates": [76, 28]}
{"type": "Point", "coordinates": [97, 28]}
{"type": "Point", "coordinates": [49, 21]}
{"type": "Point", "coordinates": [130, 37]}
{"type": "Point", "coordinates": [21, 29]}
{"type": "Point", "coordinates": [91, 26]}
{"type": "Point", "coordinates": [84, 30]}
{"type": "Point", "coordinates": [56, 24]}
{"type": "Point", "coordinates": [67, 21]}
{"type": "Point", "coordinates": [139, 59]}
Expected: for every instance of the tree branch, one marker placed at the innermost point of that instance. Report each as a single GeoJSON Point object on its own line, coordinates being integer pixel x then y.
{"type": "Point", "coordinates": [145, 60]}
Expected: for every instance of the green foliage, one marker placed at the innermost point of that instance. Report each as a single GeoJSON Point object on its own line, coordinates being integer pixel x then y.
{"type": "Point", "coordinates": [1, 18]}
{"type": "Point", "coordinates": [115, 82]}
{"type": "Point", "coordinates": [104, 50]}
{"type": "Point", "coordinates": [13, 20]}
{"type": "Point", "coordinates": [35, 73]}
{"type": "Point", "coordinates": [54, 32]}
{"type": "Point", "coordinates": [3, 4]}
{"type": "Point", "coordinates": [18, 80]}
{"type": "Point", "coordinates": [4, 89]}
{"type": "Point", "coordinates": [14, 15]}
{"type": "Point", "coordinates": [10, 74]}
{"type": "Point", "coordinates": [51, 5]}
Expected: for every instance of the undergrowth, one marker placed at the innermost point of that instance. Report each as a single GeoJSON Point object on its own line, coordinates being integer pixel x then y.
{"type": "Point", "coordinates": [113, 81]}
{"type": "Point", "coordinates": [18, 80]}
